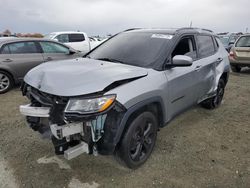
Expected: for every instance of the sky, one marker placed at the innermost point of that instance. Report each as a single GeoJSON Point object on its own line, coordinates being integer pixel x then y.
{"type": "Point", "coordinates": [101, 17]}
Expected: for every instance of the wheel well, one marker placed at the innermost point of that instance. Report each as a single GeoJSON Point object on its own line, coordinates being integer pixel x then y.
{"type": "Point", "coordinates": [154, 107]}
{"type": "Point", "coordinates": [9, 73]}
{"type": "Point", "coordinates": [224, 76]}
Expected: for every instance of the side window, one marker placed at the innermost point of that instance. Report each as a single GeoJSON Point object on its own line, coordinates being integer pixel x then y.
{"type": "Point", "coordinates": [51, 47]}
{"type": "Point", "coordinates": [216, 43]}
{"type": "Point", "coordinates": [205, 45]}
{"type": "Point", "coordinates": [5, 50]}
{"type": "Point", "coordinates": [63, 38]}
{"type": "Point", "coordinates": [186, 46]}
{"type": "Point", "coordinates": [76, 37]}
{"type": "Point", "coordinates": [20, 48]}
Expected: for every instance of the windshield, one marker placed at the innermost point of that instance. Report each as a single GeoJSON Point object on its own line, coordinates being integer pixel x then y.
{"type": "Point", "coordinates": [224, 40]}
{"type": "Point", "coordinates": [243, 42]}
{"type": "Point", "coordinates": [133, 48]}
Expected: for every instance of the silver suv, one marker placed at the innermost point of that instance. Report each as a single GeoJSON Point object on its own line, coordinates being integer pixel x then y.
{"type": "Point", "coordinates": [115, 99]}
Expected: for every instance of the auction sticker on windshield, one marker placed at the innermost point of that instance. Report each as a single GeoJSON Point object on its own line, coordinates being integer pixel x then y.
{"type": "Point", "coordinates": [162, 36]}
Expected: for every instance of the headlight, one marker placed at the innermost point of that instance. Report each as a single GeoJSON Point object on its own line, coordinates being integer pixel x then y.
{"type": "Point", "coordinates": [91, 105]}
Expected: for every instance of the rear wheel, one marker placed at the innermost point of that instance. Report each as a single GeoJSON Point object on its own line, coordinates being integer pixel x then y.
{"type": "Point", "coordinates": [139, 140]}
{"type": "Point", "coordinates": [236, 68]}
{"type": "Point", "coordinates": [6, 82]}
{"type": "Point", "coordinates": [215, 101]}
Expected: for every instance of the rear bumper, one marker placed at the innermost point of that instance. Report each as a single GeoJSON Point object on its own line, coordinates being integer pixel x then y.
{"type": "Point", "coordinates": [236, 63]}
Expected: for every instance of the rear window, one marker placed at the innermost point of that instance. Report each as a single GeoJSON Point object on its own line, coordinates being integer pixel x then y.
{"type": "Point", "coordinates": [205, 45]}
{"type": "Point", "coordinates": [243, 42]}
{"type": "Point", "coordinates": [19, 48]}
{"type": "Point", "coordinates": [76, 37]}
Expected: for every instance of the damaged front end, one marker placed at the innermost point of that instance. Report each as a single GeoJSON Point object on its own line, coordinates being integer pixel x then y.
{"type": "Point", "coordinates": [76, 125]}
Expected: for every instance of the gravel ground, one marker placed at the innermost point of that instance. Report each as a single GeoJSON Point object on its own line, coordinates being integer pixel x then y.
{"type": "Point", "coordinates": [200, 148]}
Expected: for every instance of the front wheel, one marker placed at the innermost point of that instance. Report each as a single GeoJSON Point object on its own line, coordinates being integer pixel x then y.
{"type": "Point", "coordinates": [139, 140]}
{"type": "Point", "coordinates": [215, 101]}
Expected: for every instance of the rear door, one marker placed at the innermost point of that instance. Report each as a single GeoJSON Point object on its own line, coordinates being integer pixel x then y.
{"type": "Point", "coordinates": [208, 59]}
{"type": "Point", "coordinates": [54, 51]}
{"type": "Point", "coordinates": [20, 57]}
{"type": "Point", "coordinates": [242, 49]}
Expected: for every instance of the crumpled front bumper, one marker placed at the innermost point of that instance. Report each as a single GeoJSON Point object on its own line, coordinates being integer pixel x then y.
{"type": "Point", "coordinates": [59, 132]}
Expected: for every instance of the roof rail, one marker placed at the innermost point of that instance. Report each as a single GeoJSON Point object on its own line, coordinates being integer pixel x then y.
{"type": "Point", "coordinates": [131, 29]}
{"type": "Point", "coordinates": [194, 28]}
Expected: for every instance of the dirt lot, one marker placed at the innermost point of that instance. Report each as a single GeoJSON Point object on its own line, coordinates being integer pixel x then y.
{"type": "Point", "coordinates": [200, 148]}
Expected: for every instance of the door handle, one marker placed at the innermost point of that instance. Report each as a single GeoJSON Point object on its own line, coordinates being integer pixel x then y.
{"type": "Point", "coordinates": [7, 60]}
{"type": "Point", "coordinates": [219, 60]}
{"type": "Point", "coordinates": [49, 58]}
{"type": "Point", "coordinates": [198, 67]}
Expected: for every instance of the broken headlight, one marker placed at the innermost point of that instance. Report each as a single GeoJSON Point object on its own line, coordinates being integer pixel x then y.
{"type": "Point", "coordinates": [89, 105]}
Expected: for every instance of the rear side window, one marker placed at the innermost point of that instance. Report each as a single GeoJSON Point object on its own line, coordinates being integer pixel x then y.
{"type": "Point", "coordinates": [20, 48]}
{"type": "Point", "coordinates": [243, 42]}
{"type": "Point", "coordinates": [206, 45]}
{"type": "Point", "coordinates": [76, 37]}
{"type": "Point", "coordinates": [63, 38]}
{"type": "Point", "coordinates": [51, 47]}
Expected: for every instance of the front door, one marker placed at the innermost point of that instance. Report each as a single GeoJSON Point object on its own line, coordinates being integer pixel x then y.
{"type": "Point", "coordinates": [182, 82]}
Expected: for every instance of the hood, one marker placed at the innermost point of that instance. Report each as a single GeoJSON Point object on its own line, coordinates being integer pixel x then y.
{"type": "Point", "coordinates": [79, 76]}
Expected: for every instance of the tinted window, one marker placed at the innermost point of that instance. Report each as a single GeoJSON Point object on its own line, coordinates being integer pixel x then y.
{"type": "Point", "coordinates": [205, 45]}
{"type": "Point", "coordinates": [50, 47]}
{"type": "Point", "coordinates": [243, 42]}
{"type": "Point", "coordinates": [20, 48]}
{"type": "Point", "coordinates": [63, 38]}
{"type": "Point", "coordinates": [76, 37]}
{"type": "Point", "coordinates": [134, 48]}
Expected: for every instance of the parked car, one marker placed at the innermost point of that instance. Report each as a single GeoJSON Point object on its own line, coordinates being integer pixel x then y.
{"type": "Point", "coordinates": [229, 39]}
{"type": "Point", "coordinates": [77, 40]}
{"type": "Point", "coordinates": [19, 55]}
{"type": "Point", "coordinates": [240, 53]}
{"type": "Point", "coordinates": [115, 99]}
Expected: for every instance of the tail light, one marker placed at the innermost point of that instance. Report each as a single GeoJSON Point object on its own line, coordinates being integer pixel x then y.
{"type": "Point", "coordinates": [231, 54]}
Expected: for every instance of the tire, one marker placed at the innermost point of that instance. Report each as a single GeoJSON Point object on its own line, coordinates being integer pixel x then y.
{"type": "Point", "coordinates": [6, 82]}
{"type": "Point", "coordinates": [138, 141]}
{"type": "Point", "coordinates": [215, 101]}
{"type": "Point", "coordinates": [236, 68]}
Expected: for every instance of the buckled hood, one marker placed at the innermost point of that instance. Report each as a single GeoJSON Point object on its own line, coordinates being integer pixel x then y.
{"type": "Point", "coordinates": [79, 76]}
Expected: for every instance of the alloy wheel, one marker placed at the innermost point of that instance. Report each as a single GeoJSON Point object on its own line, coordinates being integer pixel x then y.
{"type": "Point", "coordinates": [4, 82]}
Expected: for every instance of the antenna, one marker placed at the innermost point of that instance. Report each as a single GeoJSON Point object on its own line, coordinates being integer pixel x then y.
{"type": "Point", "coordinates": [191, 24]}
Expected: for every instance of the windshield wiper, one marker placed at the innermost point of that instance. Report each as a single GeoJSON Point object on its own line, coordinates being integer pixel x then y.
{"type": "Point", "coordinates": [111, 60]}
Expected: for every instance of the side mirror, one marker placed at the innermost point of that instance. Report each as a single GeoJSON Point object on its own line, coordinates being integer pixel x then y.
{"type": "Point", "coordinates": [182, 61]}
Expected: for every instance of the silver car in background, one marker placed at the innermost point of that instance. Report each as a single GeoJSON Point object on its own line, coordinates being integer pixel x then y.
{"type": "Point", "coordinates": [115, 99]}
{"type": "Point", "coordinates": [19, 55]}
